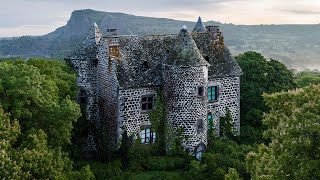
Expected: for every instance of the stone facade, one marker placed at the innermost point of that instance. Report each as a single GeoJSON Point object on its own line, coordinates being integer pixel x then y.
{"type": "Point", "coordinates": [119, 77]}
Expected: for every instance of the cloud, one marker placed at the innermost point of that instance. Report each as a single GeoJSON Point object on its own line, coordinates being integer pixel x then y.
{"type": "Point", "coordinates": [55, 13]}
{"type": "Point", "coordinates": [302, 12]}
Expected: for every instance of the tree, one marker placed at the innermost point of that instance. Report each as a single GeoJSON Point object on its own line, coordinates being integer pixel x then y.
{"type": "Point", "coordinates": [226, 125]}
{"type": "Point", "coordinates": [294, 129]}
{"type": "Point", "coordinates": [36, 101]}
{"type": "Point", "coordinates": [29, 157]}
{"type": "Point", "coordinates": [259, 76]}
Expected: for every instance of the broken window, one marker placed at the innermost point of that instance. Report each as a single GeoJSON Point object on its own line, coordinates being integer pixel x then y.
{"type": "Point", "coordinates": [147, 102]}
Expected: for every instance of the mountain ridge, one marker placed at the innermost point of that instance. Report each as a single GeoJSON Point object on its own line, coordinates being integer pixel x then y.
{"type": "Point", "coordinates": [289, 43]}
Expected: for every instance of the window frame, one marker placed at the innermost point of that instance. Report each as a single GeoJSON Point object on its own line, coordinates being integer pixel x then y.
{"type": "Point", "coordinates": [147, 133]}
{"type": "Point", "coordinates": [147, 102]}
{"type": "Point", "coordinates": [212, 119]}
{"type": "Point", "coordinates": [216, 97]}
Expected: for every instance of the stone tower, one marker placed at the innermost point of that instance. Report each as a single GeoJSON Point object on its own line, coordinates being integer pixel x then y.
{"type": "Point", "coordinates": [185, 74]}
{"type": "Point", "coordinates": [84, 61]}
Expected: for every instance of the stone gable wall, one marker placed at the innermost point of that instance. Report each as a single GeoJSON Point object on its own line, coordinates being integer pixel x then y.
{"type": "Point", "coordinates": [229, 96]}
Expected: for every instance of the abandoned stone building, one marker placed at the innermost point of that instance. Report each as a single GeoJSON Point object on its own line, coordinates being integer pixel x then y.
{"type": "Point", "coordinates": [119, 76]}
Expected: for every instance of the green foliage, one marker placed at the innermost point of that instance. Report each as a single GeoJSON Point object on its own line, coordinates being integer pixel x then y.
{"type": "Point", "coordinates": [221, 156]}
{"type": "Point", "coordinates": [232, 175]}
{"type": "Point", "coordinates": [32, 95]}
{"type": "Point", "coordinates": [306, 78]}
{"type": "Point", "coordinates": [37, 95]}
{"type": "Point", "coordinates": [158, 122]}
{"type": "Point", "coordinates": [226, 125]}
{"type": "Point", "coordinates": [31, 157]}
{"type": "Point", "coordinates": [163, 163]}
{"type": "Point", "coordinates": [259, 76]}
{"type": "Point", "coordinates": [104, 171]}
{"type": "Point", "coordinates": [294, 129]}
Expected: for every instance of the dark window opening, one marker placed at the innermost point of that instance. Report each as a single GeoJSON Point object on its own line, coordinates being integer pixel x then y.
{"type": "Point", "coordinates": [82, 100]}
{"type": "Point", "coordinates": [147, 103]}
{"type": "Point", "coordinates": [147, 136]}
{"type": "Point", "coordinates": [146, 64]}
{"type": "Point", "coordinates": [213, 93]}
{"type": "Point", "coordinates": [82, 97]}
{"type": "Point", "coordinates": [206, 58]}
{"type": "Point", "coordinates": [200, 91]}
{"type": "Point", "coordinates": [199, 125]}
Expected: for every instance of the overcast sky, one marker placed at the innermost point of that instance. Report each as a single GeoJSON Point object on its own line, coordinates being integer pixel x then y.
{"type": "Point", "coordinates": [37, 17]}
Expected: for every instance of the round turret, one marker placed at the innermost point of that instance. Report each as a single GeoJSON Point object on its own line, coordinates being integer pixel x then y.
{"type": "Point", "coordinates": [185, 74]}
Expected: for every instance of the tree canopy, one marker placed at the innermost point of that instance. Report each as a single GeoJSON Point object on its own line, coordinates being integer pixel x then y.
{"type": "Point", "coordinates": [293, 125]}
{"type": "Point", "coordinates": [259, 76]}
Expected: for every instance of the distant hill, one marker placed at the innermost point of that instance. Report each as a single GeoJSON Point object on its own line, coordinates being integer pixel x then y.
{"type": "Point", "coordinates": [297, 46]}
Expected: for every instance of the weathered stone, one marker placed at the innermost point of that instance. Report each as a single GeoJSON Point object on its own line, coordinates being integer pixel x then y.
{"type": "Point", "coordinates": [118, 73]}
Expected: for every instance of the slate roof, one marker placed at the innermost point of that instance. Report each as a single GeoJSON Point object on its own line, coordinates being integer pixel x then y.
{"type": "Point", "coordinates": [199, 26]}
{"type": "Point", "coordinates": [142, 57]}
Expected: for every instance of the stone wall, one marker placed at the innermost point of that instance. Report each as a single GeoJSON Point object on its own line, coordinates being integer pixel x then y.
{"type": "Point", "coordinates": [229, 96]}
{"type": "Point", "coordinates": [107, 92]}
{"type": "Point", "coordinates": [184, 106]}
{"type": "Point", "coordinates": [131, 115]}
{"type": "Point", "coordinates": [87, 81]}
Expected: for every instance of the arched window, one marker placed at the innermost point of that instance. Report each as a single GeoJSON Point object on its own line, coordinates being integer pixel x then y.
{"type": "Point", "coordinates": [199, 151]}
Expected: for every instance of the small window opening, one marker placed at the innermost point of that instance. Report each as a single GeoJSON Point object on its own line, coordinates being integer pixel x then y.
{"type": "Point", "coordinates": [206, 58]}
{"type": "Point", "coordinates": [147, 103]}
{"type": "Point", "coordinates": [199, 125]}
{"type": "Point", "coordinates": [200, 91]}
{"type": "Point", "coordinates": [147, 136]}
{"type": "Point", "coordinates": [82, 97]}
{"type": "Point", "coordinates": [146, 64]}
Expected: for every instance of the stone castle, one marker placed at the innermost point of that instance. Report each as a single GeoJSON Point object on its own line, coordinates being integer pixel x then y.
{"type": "Point", "coordinates": [120, 76]}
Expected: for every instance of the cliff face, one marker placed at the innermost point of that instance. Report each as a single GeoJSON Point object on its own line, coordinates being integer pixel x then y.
{"type": "Point", "coordinates": [295, 45]}
{"type": "Point", "coordinates": [64, 39]}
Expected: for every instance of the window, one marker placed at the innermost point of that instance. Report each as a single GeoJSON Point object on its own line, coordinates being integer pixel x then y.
{"type": "Point", "coordinates": [115, 40]}
{"type": "Point", "coordinates": [200, 91]}
{"type": "Point", "coordinates": [199, 151]}
{"type": "Point", "coordinates": [210, 120]}
{"type": "Point", "coordinates": [82, 97]}
{"type": "Point", "coordinates": [147, 136]}
{"type": "Point", "coordinates": [147, 103]}
{"type": "Point", "coordinates": [206, 58]}
{"type": "Point", "coordinates": [199, 125]}
{"type": "Point", "coordinates": [213, 93]}
{"type": "Point", "coordinates": [199, 155]}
